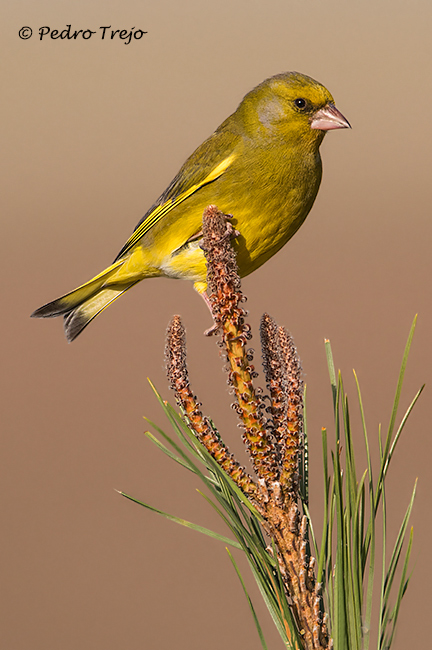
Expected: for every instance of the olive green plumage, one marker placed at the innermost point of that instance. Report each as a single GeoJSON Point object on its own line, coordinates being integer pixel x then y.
{"type": "Point", "coordinates": [261, 165]}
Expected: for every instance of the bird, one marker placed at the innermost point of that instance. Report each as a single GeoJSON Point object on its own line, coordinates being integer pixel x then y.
{"type": "Point", "coordinates": [262, 165]}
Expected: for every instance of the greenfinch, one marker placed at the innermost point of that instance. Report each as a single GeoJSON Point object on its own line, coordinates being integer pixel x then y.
{"type": "Point", "coordinates": [262, 165]}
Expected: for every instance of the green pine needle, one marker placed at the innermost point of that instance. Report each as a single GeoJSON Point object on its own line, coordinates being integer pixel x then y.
{"type": "Point", "coordinates": [347, 556]}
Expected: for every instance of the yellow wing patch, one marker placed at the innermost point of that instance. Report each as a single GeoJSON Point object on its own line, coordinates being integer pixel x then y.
{"type": "Point", "coordinates": [161, 210]}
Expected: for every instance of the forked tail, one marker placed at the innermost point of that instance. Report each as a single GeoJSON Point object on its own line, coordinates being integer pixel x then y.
{"type": "Point", "coordinates": [80, 306]}
{"type": "Point", "coordinates": [77, 319]}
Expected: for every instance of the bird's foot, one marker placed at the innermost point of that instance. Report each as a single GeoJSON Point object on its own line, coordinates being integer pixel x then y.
{"type": "Point", "coordinates": [230, 233]}
{"type": "Point", "coordinates": [215, 327]}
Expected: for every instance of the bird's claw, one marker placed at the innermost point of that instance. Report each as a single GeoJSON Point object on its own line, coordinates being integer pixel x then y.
{"type": "Point", "coordinates": [230, 233]}
{"type": "Point", "coordinates": [214, 329]}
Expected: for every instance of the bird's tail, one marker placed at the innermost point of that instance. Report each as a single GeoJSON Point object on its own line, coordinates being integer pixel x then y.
{"type": "Point", "coordinates": [80, 306]}
{"type": "Point", "coordinates": [80, 317]}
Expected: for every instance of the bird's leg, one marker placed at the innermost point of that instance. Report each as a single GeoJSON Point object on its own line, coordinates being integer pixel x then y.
{"type": "Point", "coordinates": [215, 327]}
{"type": "Point", "coordinates": [230, 233]}
{"type": "Point", "coordinates": [198, 235]}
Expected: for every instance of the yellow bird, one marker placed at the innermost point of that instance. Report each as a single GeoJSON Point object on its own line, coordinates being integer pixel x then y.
{"type": "Point", "coordinates": [262, 165]}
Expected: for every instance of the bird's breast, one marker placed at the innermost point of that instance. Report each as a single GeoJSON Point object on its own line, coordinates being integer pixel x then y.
{"type": "Point", "coordinates": [269, 201]}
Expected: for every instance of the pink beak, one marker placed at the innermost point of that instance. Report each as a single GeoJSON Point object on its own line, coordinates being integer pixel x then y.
{"type": "Point", "coordinates": [329, 118]}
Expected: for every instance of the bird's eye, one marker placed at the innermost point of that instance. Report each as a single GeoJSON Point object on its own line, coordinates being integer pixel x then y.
{"type": "Point", "coordinates": [300, 102]}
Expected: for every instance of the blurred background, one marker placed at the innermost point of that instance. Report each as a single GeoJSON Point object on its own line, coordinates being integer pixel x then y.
{"type": "Point", "coordinates": [93, 131]}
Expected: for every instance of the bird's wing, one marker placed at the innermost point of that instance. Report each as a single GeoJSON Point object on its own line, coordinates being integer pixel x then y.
{"type": "Point", "coordinates": [205, 165]}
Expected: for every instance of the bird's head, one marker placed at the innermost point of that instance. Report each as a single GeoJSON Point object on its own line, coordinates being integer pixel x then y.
{"type": "Point", "coordinates": [292, 106]}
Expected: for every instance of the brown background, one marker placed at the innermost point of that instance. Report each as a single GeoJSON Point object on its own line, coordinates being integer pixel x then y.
{"type": "Point", "coordinates": [92, 133]}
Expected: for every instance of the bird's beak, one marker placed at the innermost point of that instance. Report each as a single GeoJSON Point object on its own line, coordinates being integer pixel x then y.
{"type": "Point", "coordinates": [329, 118]}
